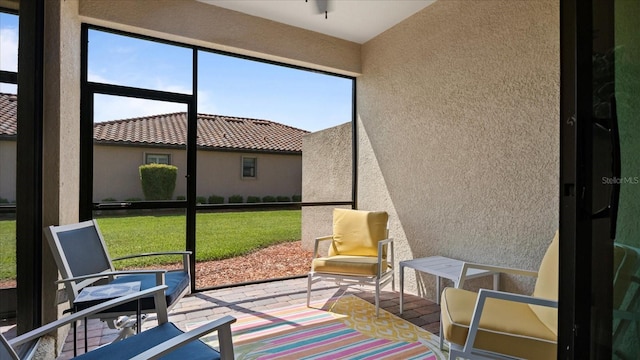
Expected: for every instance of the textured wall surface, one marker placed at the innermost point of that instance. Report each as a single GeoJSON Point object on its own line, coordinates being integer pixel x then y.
{"type": "Point", "coordinates": [460, 105]}
{"type": "Point", "coordinates": [61, 140]}
{"type": "Point", "coordinates": [196, 23]}
{"type": "Point", "coordinates": [326, 176]}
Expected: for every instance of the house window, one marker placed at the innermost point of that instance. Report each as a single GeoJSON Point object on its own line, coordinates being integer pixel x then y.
{"type": "Point", "coordinates": [157, 159]}
{"type": "Point", "coordinates": [249, 167]}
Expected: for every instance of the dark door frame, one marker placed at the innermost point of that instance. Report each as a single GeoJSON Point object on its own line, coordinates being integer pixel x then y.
{"type": "Point", "coordinates": [586, 234]}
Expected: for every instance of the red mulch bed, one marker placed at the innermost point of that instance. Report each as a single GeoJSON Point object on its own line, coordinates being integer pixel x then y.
{"type": "Point", "coordinates": [276, 261]}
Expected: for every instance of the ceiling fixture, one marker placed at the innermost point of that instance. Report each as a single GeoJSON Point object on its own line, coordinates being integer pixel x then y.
{"type": "Point", "coordinates": [322, 6]}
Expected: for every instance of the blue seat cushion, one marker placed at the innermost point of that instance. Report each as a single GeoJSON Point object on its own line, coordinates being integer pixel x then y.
{"type": "Point", "coordinates": [176, 281]}
{"type": "Point", "coordinates": [134, 345]}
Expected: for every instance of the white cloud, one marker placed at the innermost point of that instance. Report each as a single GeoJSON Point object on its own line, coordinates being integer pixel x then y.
{"type": "Point", "coordinates": [9, 49]}
{"type": "Point", "coordinates": [91, 76]}
{"type": "Point", "coordinates": [108, 108]}
{"type": "Point", "coordinates": [206, 104]}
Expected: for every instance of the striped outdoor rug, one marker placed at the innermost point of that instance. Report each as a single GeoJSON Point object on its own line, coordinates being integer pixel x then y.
{"type": "Point", "coordinates": [344, 328]}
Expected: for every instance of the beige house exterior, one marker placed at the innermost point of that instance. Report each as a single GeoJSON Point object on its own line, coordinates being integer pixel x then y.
{"type": "Point", "coordinates": [219, 173]}
{"type": "Point", "coordinates": [274, 150]}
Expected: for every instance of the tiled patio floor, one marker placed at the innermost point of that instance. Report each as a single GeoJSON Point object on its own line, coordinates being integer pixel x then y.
{"type": "Point", "coordinates": [246, 299]}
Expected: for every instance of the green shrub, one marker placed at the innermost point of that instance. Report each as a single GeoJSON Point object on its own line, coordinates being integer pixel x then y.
{"type": "Point", "coordinates": [109, 199]}
{"type": "Point", "coordinates": [283, 199]}
{"type": "Point", "coordinates": [133, 199]}
{"type": "Point", "coordinates": [3, 200]}
{"type": "Point", "coordinates": [215, 199]}
{"type": "Point", "coordinates": [158, 181]}
{"type": "Point", "coordinates": [181, 198]}
{"type": "Point", "coordinates": [269, 199]}
{"type": "Point", "coordinates": [236, 199]}
{"type": "Point", "coordinates": [296, 198]}
{"type": "Point", "coordinates": [253, 199]}
{"type": "Point", "coordinates": [201, 200]}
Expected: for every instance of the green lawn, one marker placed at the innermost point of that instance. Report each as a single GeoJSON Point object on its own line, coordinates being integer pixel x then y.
{"type": "Point", "coordinates": [7, 249]}
{"type": "Point", "coordinates": [218, 235]}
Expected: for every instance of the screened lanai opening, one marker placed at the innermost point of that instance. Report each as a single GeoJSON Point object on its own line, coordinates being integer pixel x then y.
{"type": "Point", "coordinates": [8, 158]}
{"type": "Point", "coordinates": [186, 148]}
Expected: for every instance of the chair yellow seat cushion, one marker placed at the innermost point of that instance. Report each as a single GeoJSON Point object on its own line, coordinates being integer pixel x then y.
{"type": "Point", "coordinates": [505, 327]}
{"type": "Point", "coordinates": [348, 265]}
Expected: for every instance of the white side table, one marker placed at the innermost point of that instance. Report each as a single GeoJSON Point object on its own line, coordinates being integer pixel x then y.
{"type": "Point", "coordinates": [441, 266]}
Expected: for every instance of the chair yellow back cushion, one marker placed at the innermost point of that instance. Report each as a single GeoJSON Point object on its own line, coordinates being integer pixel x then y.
{"type": "Point", "coordinates": [357, 232]}
{"type": "Point", "coordinates": [547, 285]}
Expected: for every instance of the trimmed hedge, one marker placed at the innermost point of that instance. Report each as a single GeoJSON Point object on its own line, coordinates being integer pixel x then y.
{"type": "Point", "coordinates": [201, 200]}
{"type": "Point", "coordinates": [215, 199]}
{"type": "Point", "coordinates": [253, 199]}
{"type": "Point", "coordinates": [269, 199]}
{"type": "Point", "coordinates": [236, 199]}
{"type": "Point", "coordinates": [296, 198]}
{"type": "Point", "coordinates": [158, 181]}
{"type": "Point", "coordinates": [283, 199]}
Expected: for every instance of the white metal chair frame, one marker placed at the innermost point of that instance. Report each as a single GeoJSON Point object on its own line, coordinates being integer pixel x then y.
{"type": "Point", "coordinates": [74, 284]}
{"type": "Point", "coordinates": [222, 326]}
{"type": "Point", "coordinates": [380, 280]}
{"type": "Point", "coordinates": [468, 351]}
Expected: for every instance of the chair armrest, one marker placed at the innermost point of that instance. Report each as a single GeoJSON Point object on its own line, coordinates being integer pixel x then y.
{"type": "Point", "coordinates": [153, 254]}
{"type": "Point", "coordinates": [381, 244]}
{"type": "Point", "coordinates": [111, 274]}
{"type": "Point", "coordinates": [318, 241]}
{"type": "Point", "coordinates": [222, 325]}
{"type": "Point", "coordinates": [157, 291]}
{"type": "Point", "coordinates": [485, 294]}
{"type": "Point", "coordinates": [185, 257]}
{"type": "Point", "coordinates": [496, 269]}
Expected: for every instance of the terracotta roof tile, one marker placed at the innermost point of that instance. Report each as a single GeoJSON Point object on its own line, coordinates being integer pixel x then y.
{"type": "Point", "coordinates": [214, 131]}
{"type": "Point", "coordinates": [8, 115]}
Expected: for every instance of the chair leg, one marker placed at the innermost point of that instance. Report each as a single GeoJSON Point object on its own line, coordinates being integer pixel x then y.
{"type": "Point", "coordinates": [377, 299]}
{"type": "Point", "coordinates": [309, 290]}
{"type": "Point", "coordinates": [393, 282]}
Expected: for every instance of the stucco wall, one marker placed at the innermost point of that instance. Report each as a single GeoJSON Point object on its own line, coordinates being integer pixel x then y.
{"type": "Point", "coordinates": [8, 170]}
{"type": "Point", "coordinates": [196, 23]}
{"type": "Point", "coordinates": [460, 106]}
{"type": "Point", "coordinates": [61, 141]}
{"type": "Point", "coordinates": [327, 158]}
{"type": "Point", "coordinates": [219, 173]}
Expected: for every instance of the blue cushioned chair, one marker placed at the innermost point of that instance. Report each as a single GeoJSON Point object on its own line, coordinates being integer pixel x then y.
{"type": "Point", "coordinates": [164, 341]}
{"type": "Point", "coordinates": [83, 260]}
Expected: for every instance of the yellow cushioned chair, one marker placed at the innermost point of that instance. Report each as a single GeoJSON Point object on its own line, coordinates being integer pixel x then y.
{"type": "Point", "coordinates": [499, 325]}
{"type": "Point", "coordinates": [361, 252]}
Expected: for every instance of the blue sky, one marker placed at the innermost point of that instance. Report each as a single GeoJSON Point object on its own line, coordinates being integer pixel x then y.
{"type": "Point", "coordinates": [226, 86]}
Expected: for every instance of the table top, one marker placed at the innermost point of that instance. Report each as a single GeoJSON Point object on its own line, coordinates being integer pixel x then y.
{"type": "Point", "coordinates": [109, 291]}
{"type": "Point", "coordinates": [442, 266]}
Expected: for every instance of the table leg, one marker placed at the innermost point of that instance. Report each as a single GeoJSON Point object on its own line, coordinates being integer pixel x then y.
{"type": "Point", "coordinates": [496, 281]}
{"type": "Point", "coordinates": [401, 287]}
{"type": "Point", "coordinates": [75, 338]}
{"type": "Point", "coordinates": [441, 335]}
{"type": "Point", "coordinates": [438, 290]}
{"type": "Point", "coordinates": [85, 336]}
